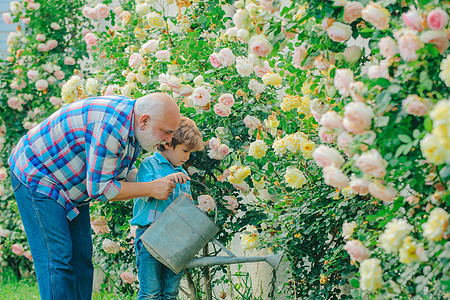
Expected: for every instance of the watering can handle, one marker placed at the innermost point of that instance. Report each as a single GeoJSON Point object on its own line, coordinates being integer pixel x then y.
{"type": "Point", "coordinates": [210, 192]}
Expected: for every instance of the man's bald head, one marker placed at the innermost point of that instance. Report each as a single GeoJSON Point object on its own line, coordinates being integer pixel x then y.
{"type": "Point", "coordinates": [157, 105]}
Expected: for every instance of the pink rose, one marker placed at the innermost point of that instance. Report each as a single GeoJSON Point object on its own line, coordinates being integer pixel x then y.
{"type": "Point", "coordinates": [151, 46]}
{"type": "Point", "coordinates": [251, 123]}
{"type": "Point", "coordinates": [214, 144]}
{"type": "Point", "coordinates": [357, 117]}
{"type": "Point", "coordinates": [334, 177]}
{"type": "Point", "coordinates": [110, 89]}
{"type": "Point", "coordinates": [7, 18]}
{"type": "Point", "coordinates": [437, 19]}
{"type": "Point", "coordinates": [356, 91]}
{"type": "Point", "coordinates": [17, 249]}
{"type": "Point", "coordinates": [388, 47]}
{"type": "Point", "coordinates": [382, 192]}
{"type": "Point", "coordinates": [359, 185]}
{"type": "Point", "coordinates": [163, 55]}
{"type": "Point", "coordinates": [226, 57]}
{"type": "Point", "coordinates": [127, 277]}
{"type": "Point", "coordinates": [55, 26]}
{"type": "Point", "coordinates": [342, 80]}
{"type": "Point", "coordinates": [222, 110]}
{"type": "Point", "coordinates": [41, 84]}
{"type": "Point", "coordinates": [110, 247]}
{"type": "Point", "coordinates": [357, 251]}
{"type": "Point", "coordinates": [260, 46]}
{"type": "Point", "coordinates": [51, 44]}
{"type": "Point", "coordinates": [214, 60]}
{"type": "Point", "coordinates": [227, 100]}
{"type": "Point", "coordinates": [101, 11]}
{"type": "Point", "coordinates": [327, 135]}
{"type": "Point", "coordinates": [26, 21]}
{"type": "Point", "coordinates": [438, 38]}
{"type": "Point", "coordinates": [372, 163]}
{"type": "Point", "coordinates": [42, 47]}
{"type": "Point", "coordinates": [51, 79]}
{"type": "Point", "coordinates": [55, 100]}
{"type": "Point", "coordinates": [377, 15]}
{"type": "Point", "coordinates": [135, 60]}
{"type": "Point", "coordinates": [325, 156]}
{"type": "Point", "coordinates": [339, 32]}
{"type": "Point", "coordinates": [28, 255]}
{"type": "Point", "coordinates": [17, 71]}
{"type": "Point", "coordinates": [300, 54]}
{"type": "Point", "coordinates": [378, 71]}
{"type": "Point", "coordinates": [59, 74]}
{"type": "Point", "coordinates": [331, 119]}
{"type": "Point", "coordinates": [413, 19]}
{"type": "Point", "coordinates": [40, 37]}
{"type": "Point", "coordinates": [4, 232]}
{"type": "Point", "coordinates": [260, 71]}
{"type": "Point", "coordinates": [412, 200]}
{"type": "Point", "coordinates": [224, 150]}
{"type": "Point", "coordinates": [3, 174]}
{"type": "Point", "coordinates": [231, 202]}
{"type": "Point", "coordinates": [344, 140]}
{"type": "Point", "coordinates": [408, 44]}
{"type": "Point", "coordinates": [84, 31]}
{"type": "Point", "coordinates": [90, 39]}
{"type": "Point", "coordinates": [206, 203]}
{"type": "Point", "coordinates": [186, 90]}
{"type": "Point", "coordinates": [69, 61]}
{"type": "Point", "coordinates": [88, 12]}
{"type": "Point", "coordinates": [414, 105]}
{"type": "Point", "coordinates": [201, 96]}
{"type": "Point", "coordinates": [352, 11]}
{"type": "Point", "coordinates": [32, 75]}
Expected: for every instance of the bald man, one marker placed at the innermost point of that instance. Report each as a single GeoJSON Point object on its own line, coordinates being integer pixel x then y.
{"type": "Point", "coordinates": [86, 150]}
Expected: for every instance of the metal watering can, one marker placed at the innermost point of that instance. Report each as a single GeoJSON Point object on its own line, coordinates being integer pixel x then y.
{"type": "Point", "coordinates": [182, 230]}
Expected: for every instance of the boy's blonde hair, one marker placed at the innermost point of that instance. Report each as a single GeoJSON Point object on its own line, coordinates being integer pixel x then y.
{"type": "Point", "coordinates": [187, 134]}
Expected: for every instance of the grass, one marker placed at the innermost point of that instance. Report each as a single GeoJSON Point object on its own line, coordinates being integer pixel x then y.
{"type": "Point", "coordinates": [27, 289]}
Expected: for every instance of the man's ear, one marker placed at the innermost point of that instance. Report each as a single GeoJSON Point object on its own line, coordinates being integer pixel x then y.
{"type": "Point", "coordinates": [144, 122]}
{"type": "Point", "coordinates": [167, 146]}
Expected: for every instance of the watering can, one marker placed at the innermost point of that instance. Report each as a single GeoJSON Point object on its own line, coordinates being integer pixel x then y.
{"type": "Point", "coordinates": [182, 230]}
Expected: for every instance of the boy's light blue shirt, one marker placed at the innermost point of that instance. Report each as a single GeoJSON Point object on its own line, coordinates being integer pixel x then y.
{"type": "Point", "coordinates": [151, 168]}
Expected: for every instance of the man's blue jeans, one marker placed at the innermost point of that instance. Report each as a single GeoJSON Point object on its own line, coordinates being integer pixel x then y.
{"type": "Point", "coordinates": [61, 249]}
{"type": "Point", "coordinates": [156, 281]}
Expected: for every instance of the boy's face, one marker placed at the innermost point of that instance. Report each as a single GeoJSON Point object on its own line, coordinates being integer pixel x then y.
{"type": "Point", "coordinates": [178, 155]}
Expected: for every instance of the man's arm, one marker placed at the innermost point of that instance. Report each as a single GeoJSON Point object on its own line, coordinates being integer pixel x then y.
{"type": "Point", "coordinates": [158, 189]}
{"type": "Point", "coordinates": [131, 177]}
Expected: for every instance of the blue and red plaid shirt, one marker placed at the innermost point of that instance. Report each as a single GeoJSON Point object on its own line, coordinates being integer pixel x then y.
{"type": "Point", "coordinates": [79, 153]}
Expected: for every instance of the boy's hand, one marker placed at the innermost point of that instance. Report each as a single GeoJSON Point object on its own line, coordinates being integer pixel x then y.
{"type": "Point", "coordinates": [188, 196]}
{"type": "Point", "coordinates": [178, 177]}
{"type": "Point", "coordinates": [162, 188]}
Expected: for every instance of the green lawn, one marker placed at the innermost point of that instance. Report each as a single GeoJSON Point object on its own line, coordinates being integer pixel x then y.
{"type": "Point", "coordinates": [27, 289]}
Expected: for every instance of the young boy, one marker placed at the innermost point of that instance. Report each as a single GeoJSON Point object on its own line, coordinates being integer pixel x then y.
{"type": "Point", "coordinates": [155, 279]}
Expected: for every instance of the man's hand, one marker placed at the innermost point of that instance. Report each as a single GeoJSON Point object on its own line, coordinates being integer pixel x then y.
{"type": "Point", "coordinates": [178, 177]}
{"type": "Point", "coordinates": [161, 188]}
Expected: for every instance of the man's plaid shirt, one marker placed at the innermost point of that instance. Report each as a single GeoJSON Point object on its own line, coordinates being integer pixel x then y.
{"type": "Point", "coordinates": [80, 152]}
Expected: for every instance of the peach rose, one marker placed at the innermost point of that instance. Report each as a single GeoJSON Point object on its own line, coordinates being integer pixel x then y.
{"type": "Point", "coordinates": [377, 15]}
{"type": "Point", "coordinates": [359, 185]}
{"type": "Point", "coordinates": [331, 119]}
{"type": "Point", "coordinates": [335, 177]}
{"type": "Point", "coordinates": [150, 46]}
{"type": "Point", "coordinates": [378, 71]}
{"type": "Point", "coordinates": [231, 202]}
{"type": "Point", "coordinates": [222, 110]}
{"type": "Point", "coordinates": [42, 47]}
{"type": "Point", "coordinates": [15, 103]}
{"type": "Point", "coordinates": [224, 150]}
{"type": "Point", "coordinates": [214, 60]}
{"type": "Point", "coordinates": [40, 37]}
{"type": "Point", "coordinates": [438, 38]}
{"type": "Point", "coordinates": [388, 47]}
{"type": "Point", "coordinates": [342, 80]}
{"type": "Point", "coordinates": [414, 105]}
{"type": "Point", "coordinates": [201, 96]}
{"type": "Point", "coordinates": [55, 100]}
{"type": "Point", "coordinates": [28, 255]}
{"type": "Point", "coordinates": [163, 55]}
{"type": "Point", "coordinates": [344, 140]}
{"type": "Point", "coordinates": [260, 46]}
{"type": "Point", "coordinates": [101, 11]}
{"type": "Point", "coordinates": [3, 174]}
{"type": "Point", "coordinates": [372, 163]}
{"type": "Point", "coordinates": [339, 32]}
{"type": "Point", "coordinates": [325, 156]}
{"type": "Point", "coordinates": [357, 117]}
{"type": "Point", "coordinates": [69, 61]}
{"type": "Point", "coordinates": [352, 11]}
{"type": "Point", "coordinates": [357, 250]}
{"type": "Point", "coordinates": [227, 100]}
{"type": "Point", "coordinates": [59, 74]}
{"type": "Point", "coordinates": [408, 44]}
{"type": "Point", "coordinates": [437, 19]}
{"type": "Point", "coordinates": [41, 84]}
{"type": "Point", "coordinates": [382, 192]}
{"type": "Point", "coordinates": [88, 12]}
{"type": "Point", "coordinates": [110, 247]}
{"type": "Point", "coordinates": [256, 86]}
{"type": "Point", "coordinates": [214, 144]}
{"type": "Point", "coordinates": [7, 18]}
{"type": "Point", "coordinates": [128, 277]}
{"type": "Point", "coordinates": [135, 60]}
{"type": "Point", "coordinates": [206, 203]}
{"type": "Point", "coordinates": [32, 75]}
{"type": "Point", "coordinates": [55, 26]}
{"type": "Point", "coordinates": [90, 39]}
{"type": "Point", "coordinates": [356, 91]}
{"type": "Point", "coordinates": [260, 71]}
{"type": "Point", "coordinates": [33, 5]}
{"type": "Point", "coordinates": [17, 249]}
{"type": "Point", "coordinates": [51, 44]}
{"type": "Point", "coordinates": [300, 54]}
{"type": "Point", "coordinates": [251, 123]}
{"type": "Point", "coordinates": [413, 19]}
{"type": "Point", "coordinates": [226, 57]}
{"type": "Point", "coordinates": [327, 135]}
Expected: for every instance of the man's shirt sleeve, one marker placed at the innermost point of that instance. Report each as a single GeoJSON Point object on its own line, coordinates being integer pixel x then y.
{"type": "Point", "coordinates": [103, 157]}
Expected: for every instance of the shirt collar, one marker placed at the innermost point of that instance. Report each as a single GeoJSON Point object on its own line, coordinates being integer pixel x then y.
{"type": "Point", "coordinates": [162, 160]}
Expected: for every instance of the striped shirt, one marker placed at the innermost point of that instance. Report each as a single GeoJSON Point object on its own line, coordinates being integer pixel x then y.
{"type": "Point", "coordinates": [79, 153]}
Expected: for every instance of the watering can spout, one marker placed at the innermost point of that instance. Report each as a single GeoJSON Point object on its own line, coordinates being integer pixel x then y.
{"type": "Point", "coordinates": [272, 259]}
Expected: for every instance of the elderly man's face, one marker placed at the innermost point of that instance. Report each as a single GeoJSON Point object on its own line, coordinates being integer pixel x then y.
{"type": "Point", "coordinates": [157, 132]}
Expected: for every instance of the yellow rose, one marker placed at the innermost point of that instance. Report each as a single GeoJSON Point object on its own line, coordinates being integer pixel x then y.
{"type": "Point", "coordinates": [442, 134]}
{"type": "Point", "coordinates": [445, 70]}
{"type": "Point", "coordinates": [431, 149]}
{"type": "Point", "coordinates": [258, 184]}
{"type": "Point", "coordinates": [371, 275]}
{"type": "Point", "coordinates": [290, 102]}
{"type": "Point", "coordinates": [307, 147]}
{"type": "Point", "coordinates": [392, 238]}
{"type": "Point", "coordinates": [249, 238]}
{"type": "Point", "coordinates": [441, 112]}
{"type": "Point", "coordinates": [295, 178]}
{"type": "Point", "coordinates": [279, 146]}
{"type": "Point", "coordinates": [272, 79]}
{"type": "Point", "coordinates": [258, 149]}
{"type": "Point", "coordinates": [304, 107]}
{"type": "Point", "coordinates": [436, 225]}
{"type": "Point", "coordinates": [306, 88]}
{"type": "Point", "coordinates": [408, 251]}
{"type": "Point", "coordinates": [72, 89]}
{"type": "Point", "coordinates": [292, 142]}
{"type": "Point", "coordinates": [155, 20]}
{"type": "Point", "coordinates": [91, 87]}
{"type": "Point", "coordinates": [238, 174]}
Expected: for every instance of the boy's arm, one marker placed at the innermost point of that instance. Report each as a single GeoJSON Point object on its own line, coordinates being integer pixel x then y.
{"type": "Point", "coordinates": [179, 177]}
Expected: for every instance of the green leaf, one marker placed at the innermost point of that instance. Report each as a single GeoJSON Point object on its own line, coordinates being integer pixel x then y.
{"type": "Point", "coordinates": [404, 138]}
{"type": "Point", "coordinates": [428, 124]}
{"type": "Point", "coordinates": [354, 282]}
